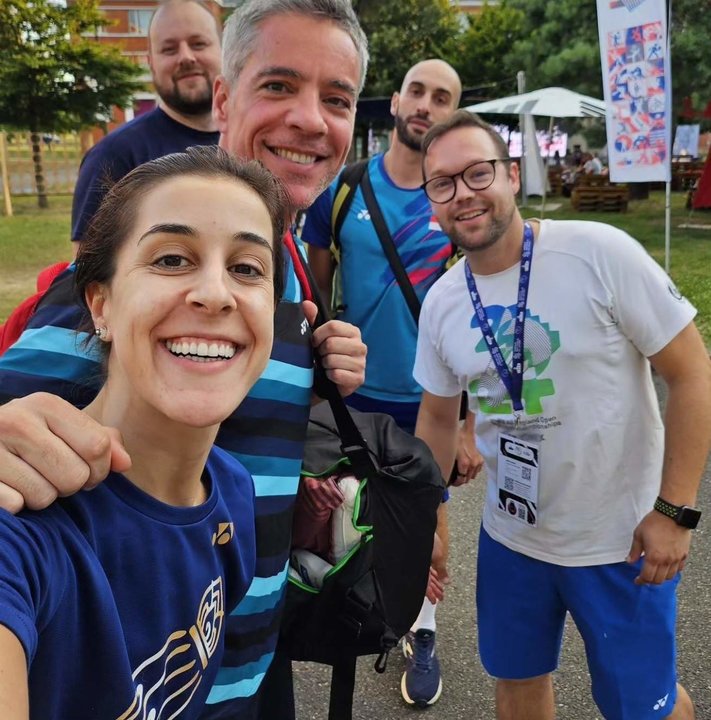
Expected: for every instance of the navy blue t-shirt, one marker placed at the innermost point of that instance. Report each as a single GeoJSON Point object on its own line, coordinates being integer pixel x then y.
{"type": "Point", "coordinates": [147, 137]}
{"type": "Point", "coordinates": [121, 601]}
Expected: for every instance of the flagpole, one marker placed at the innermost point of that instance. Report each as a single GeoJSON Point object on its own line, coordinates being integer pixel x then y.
{"type": "Point", "coordinates": [521, 84]}
{"type": "Point", "coordinates": [667, 199]}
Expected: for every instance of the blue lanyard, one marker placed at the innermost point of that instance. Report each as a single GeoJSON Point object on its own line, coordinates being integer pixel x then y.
{"type": "Point", "coordinates": [511, 378]}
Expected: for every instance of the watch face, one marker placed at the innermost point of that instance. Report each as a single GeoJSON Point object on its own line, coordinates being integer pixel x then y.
{"type": "Point", "coordinates": [688, 517]}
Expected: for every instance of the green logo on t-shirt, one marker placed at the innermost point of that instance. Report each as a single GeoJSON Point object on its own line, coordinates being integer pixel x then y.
{"type": "Point", "coordinates": [540, 342]}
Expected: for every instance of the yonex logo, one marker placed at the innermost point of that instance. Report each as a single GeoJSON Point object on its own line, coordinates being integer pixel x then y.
{"type": "Point", "coordinates": [661, 702]}
{"type": "Point", "coordinates": [304, 326]}
{"type": "Point", "coordinates": [674, 292]}
{"type": "Point", "coordinates": [225, 533]}
{"type": "Point", "coordinates": [363, 215]}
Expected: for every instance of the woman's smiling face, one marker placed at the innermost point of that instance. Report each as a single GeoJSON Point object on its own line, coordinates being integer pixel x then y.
{"type": "Point", "coordinates": [190, 308]}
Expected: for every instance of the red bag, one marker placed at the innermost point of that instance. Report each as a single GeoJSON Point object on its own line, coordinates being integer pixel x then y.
{"type": "Point", "coordinates": [13, 327]}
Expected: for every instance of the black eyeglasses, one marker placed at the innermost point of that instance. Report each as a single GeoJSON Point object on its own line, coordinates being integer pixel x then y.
{"type": "Point", "coordinates": [477, 176]}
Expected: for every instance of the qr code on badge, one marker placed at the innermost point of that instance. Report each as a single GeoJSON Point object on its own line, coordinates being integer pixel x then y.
{"type": "Point", "coordinates": [521, 512]}
{"type": "Point", "coordinates": [508, 484]}
{"type": "Point", "coordinates": [526, 473]}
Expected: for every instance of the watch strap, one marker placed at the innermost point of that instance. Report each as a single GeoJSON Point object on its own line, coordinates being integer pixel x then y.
{"type": "Point", "coordinates": [665, 508]}
{"type": "Point", "coordinates": [682, 515]}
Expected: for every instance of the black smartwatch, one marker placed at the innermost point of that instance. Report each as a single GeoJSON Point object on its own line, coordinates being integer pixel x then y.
{"type": "Point", "coordinates": [683, 515]}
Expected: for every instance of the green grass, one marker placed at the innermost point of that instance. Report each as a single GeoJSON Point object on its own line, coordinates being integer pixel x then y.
{"type": "Point", "coordinates": [34, 238]}
{"type": "Point", "coordinates": [29, 241]}
{"type": "Point", "coordinates": [690, 255]}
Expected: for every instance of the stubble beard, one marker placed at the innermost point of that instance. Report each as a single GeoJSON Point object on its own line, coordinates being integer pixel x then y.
{"type": "Point", "coordinates": [191, 106]}
{"type": "Point", "coordinates": [413, 142]}
{"type": "Point", "coordinates": [497, 229]}
{"type": "Point", "coordinates": [312, 193]}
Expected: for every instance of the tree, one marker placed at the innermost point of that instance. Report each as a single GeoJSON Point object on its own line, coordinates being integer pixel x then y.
{"type": "Point", "coordinates": [482, 56]}
{"type": "Point", "coordinates": [403, 32]}
{"type": "Point", "coordinates": [558, 45]}
{"type": "Point", "coordinates": [52, 77]}
{"type": "Point", "coordinates": [691, 71]}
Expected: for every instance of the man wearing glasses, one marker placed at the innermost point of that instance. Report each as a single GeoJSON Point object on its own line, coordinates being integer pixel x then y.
{"type": "Point", "coordinates": [552, 328]}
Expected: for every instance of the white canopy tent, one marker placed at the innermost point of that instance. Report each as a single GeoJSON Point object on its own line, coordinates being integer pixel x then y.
{"type": "Point", "coordinates": [553, 102]}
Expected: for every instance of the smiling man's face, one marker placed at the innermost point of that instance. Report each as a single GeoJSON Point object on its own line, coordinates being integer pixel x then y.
{"type": "Point", "coordinates": [293, 105]}
{"type": "Point", "coordinates": [184, 57]}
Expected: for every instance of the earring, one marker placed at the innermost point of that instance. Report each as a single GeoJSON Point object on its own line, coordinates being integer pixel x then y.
{"type": "Point", "coordinates": [102, 333]}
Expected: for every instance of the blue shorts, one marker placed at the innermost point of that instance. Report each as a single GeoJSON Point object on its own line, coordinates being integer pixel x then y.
{"type": "Point", "coordinates": [628, 630]}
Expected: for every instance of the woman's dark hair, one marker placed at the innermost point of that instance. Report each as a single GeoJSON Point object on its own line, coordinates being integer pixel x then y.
{"type": "Point", "coordinates": [113, 222]}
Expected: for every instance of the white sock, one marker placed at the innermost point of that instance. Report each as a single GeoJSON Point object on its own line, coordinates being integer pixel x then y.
{"type": "Point", "coordinates": [426, 618]}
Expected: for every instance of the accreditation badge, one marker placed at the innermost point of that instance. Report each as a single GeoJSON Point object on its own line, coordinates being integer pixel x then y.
{"type": "Point", "coordinates": [517, 479]}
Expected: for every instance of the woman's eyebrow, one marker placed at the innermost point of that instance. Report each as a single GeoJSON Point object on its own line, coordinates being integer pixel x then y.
{"type": "Point", "coordinates": [170, 229]}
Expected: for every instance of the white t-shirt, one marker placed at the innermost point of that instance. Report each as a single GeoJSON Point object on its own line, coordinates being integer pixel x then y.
{"type": "Point", "coordinates": [593, 166]}
{"type": "Point", "coordinates": [598, 306]}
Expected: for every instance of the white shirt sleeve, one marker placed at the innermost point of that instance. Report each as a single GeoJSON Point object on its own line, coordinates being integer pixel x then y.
{"type": "Point", "coordinates": [430, 370]}
{"type": "Point", "coordinates": [650, 310]}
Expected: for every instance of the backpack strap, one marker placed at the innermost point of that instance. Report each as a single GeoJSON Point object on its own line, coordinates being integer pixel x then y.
{"type": "Point", "coordinates": [391, 253]}
{"type": "Point", "coordinates": [346, 187]}
{"type": "Point", "coordinates": [353, 445]}
{"type": "Point", "coordinates": [343, 673]}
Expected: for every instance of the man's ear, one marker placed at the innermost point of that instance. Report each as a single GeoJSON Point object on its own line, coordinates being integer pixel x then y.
{"type": "Point", "coordinates": [98, 304]}
{"type": "Point", "coordinates": [514, 176]}
{"type": "Point", "coordinates": [220, 97]}
{"type": "Point", "coordinates": [394, 103]}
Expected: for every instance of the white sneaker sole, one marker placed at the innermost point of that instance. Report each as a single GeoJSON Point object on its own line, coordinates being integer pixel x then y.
{"type": "Point", "coordinates": [418, 703]}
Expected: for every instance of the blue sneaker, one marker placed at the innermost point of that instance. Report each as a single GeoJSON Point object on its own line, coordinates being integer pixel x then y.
{"type": "Point", "coordinates": [421, 683]}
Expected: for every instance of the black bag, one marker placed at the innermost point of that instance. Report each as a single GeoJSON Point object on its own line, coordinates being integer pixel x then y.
{"type": "Point", "coordinates": [369, 600]}
{"type": "Point", "coordinates": [372, 598]}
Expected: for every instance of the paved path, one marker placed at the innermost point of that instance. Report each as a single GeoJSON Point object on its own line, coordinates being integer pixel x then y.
{"type": "Point", "coordinates": [468, 691]}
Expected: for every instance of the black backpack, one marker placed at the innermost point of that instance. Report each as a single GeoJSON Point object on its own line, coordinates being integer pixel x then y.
{"type": "Point", "coordinates": [372, 597]}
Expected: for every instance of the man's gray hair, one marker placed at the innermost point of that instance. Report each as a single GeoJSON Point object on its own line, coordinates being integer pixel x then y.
{"type": "Point", "coordinates": [242, 29]}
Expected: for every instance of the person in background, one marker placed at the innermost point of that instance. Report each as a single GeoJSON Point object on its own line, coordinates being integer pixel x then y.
{"type": "Point", "coordinates": [184, 59]}
{"type": "Point", "coordinates": [553, 328]}
{"type": "Point", "coordinates": [593, 165]}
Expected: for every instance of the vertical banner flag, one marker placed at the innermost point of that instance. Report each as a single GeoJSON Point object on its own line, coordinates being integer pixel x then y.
{"type": "Point", "coordinates": [636, 78]}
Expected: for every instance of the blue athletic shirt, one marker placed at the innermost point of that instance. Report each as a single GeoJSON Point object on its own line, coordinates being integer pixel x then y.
{"type": "Point", "coordinates": [372, 298]}
{"type": "Point", "coordinates": [119, 600]}
{"type": "Point", "coordinates": [149, 136]}
{"type": "Point", "coordinates": [266, 434]}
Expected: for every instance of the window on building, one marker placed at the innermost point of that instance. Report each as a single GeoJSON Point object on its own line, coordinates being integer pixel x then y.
{"type": "Point", "coordinates": [138, 21]}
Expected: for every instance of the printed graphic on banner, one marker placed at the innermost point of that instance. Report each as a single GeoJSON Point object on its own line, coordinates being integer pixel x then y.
{"type": "Point", "coordinates": [517, 479]}
{"type": "Point", "coordinates": [636, 77]}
